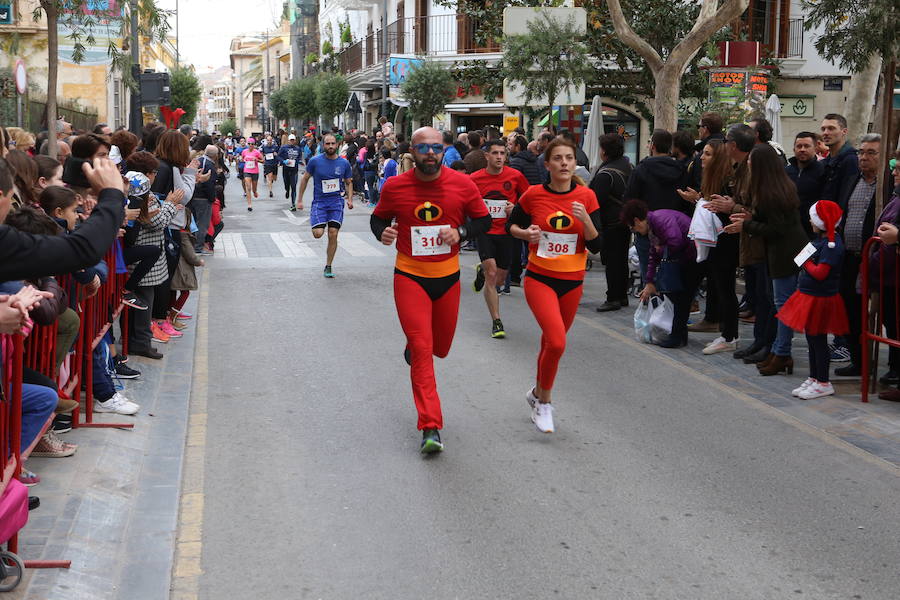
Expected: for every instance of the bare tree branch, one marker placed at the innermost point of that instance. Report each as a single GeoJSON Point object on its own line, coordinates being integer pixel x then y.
{"type": "Point", "coordinates": [633, 40]}
{"type": "Point", "coordinates": [710, 20]}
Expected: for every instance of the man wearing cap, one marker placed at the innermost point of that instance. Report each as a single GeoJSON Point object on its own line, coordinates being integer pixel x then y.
{"type": "Point", "coordinates": [289, 157]}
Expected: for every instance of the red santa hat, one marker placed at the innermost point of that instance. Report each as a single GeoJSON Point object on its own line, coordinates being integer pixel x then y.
{"type": "Point", "coordinates": [825, 215]}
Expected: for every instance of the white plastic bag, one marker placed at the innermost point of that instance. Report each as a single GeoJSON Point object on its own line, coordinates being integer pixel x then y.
{"type": "Point", "coordinates": [662, 314]}
{"type": "Point", "coordinates": [642, 322]}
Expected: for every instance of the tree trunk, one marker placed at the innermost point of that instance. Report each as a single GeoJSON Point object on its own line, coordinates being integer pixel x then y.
{"type": "Point", "coordinates": [668, 90]}
{"type": "Point", "coordinates": [50, 8]}
{"type": "Point", "coordinates": [860, 97]}
{"type": "Point", "coordinates": [884, 127]}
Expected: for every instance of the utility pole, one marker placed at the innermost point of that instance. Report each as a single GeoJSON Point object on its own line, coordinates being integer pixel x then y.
{"type": "Point", "coordinates": [241, 97]}
{"type": "Point", "coordinates": [384, 64]}
{"type": "Point", "coordinates": [267, 89]}
{"type": "Point", "coordinates": [177, 38]}
{"type": "Point", "coordinates": [136, 120]}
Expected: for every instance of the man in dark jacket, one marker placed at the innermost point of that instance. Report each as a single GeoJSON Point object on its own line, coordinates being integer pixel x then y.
{"type": "Point", "coordinates": [709, 128]}
{"type": "Point", "coordinates": [858, 204]}
{"type": "Point", "coordinates": [656, 181]}
{"type": "Point", "coordinates": [26, 256]}
{"type": "Point", "coordinates": [807, 172]}
{"type": "Point", "coordinates": [609, 185]}
{"type": "Point", "coordinates": [524, 161]}
{"type": "Point", "coordinates": [476, 159]}
{"type": "Point", "coordinates": [204, 195]}
{"type": "Point", "coordinates": [841, 166]}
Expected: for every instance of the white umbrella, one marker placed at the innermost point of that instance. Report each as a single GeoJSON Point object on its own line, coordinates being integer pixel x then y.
{"type": "Point", "coordinates": [773, 115]}
{"type": "Point", "coordinates": [591, 144]}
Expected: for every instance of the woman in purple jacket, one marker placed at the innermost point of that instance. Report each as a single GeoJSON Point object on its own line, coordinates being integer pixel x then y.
{"type": "Point", "coordinates": [670, 251]}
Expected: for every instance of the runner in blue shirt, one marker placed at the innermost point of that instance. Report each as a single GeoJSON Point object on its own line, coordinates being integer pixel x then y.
{"type": "Point", "coordinates": [289, 157]}
{"type": "Point", "coordinates": [269, 149]}
{"type": "Point", "coordinates": [332, 181]}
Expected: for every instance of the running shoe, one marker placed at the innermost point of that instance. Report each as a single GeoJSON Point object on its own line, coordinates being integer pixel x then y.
{"type": "Point", "coordinates": [531, 399]}
{"type": "Point", "coordinates": [123, 371]}
{"type": "Point", "coordinates": [543, 417]}
{"type": "Point", "coordinates": [838, 353]}
{"type": "Point", "coordinates": [118, 404]}
{"type": "Point", "coordinates": [293, 209]}
{"type": "Point", "coordinates": [29, 478]}
{"type": "Point", "coordinates": [62, 424]}
{"type": "Point", "coordinates": [720, 345]}
{"type": "Point", "coordinates": [327, 273]}
{"type": "Point", "coordinates": [796, 391]}
{"type": "Point", "coordinates": [478, 284]}
{"type": "Point", "coordinates": [505, 291]}
{"type": "Point", "coordinates": [249, 209]}
{"type": "Point", "coordinates": [158, 334]}
{"type": "Point", "coordinates": [169, 330]}
{"type": "Point", "coordinates": [431, 441]}
{"type": "Point", "coordinates": [50, 446]}
{"type": "Point", "coordinates": [497, 330]}
{"type": "Point", "coordinates": [130, 299]}
{"type": "Point", "coordinates": [270, 194]}
{"type": "Point", "coordinates": [185, 315]}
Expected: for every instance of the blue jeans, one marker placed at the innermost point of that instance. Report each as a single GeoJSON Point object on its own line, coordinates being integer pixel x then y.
{"type": "Point", "coordinates": [103, 383]}
{"type": "Point", "coordinates": [642, 245]}
{"type": "Point", "coordinates": [38, 402]}
{"type": "Point", "coordinates": [371, 178]}
{"type": "Point", "coordinates": [782, 288]}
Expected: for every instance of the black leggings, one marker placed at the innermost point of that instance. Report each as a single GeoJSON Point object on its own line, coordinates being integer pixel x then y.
{"type": "Point", "coordinates": [819, 357]}
{"type": "Point", "coordinates": [144, 257]}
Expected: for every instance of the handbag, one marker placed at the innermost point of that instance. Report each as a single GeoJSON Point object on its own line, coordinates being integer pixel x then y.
{"type": "Point", "coordinates": [668, 275]}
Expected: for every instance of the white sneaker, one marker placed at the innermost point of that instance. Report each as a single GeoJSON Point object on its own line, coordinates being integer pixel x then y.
{"type": "Point", "coordinates": [817, 390]}
{"type": "Point", "coordinates": [809, 381]}
{"type": "Point", "coordinates": [118, 404]}
{"type": "Point", "coordinates": [543, 417]}
{"type": "Point", "coordinates": [531, 399]}
{"type": "Point", "coordinates": [720, 345]}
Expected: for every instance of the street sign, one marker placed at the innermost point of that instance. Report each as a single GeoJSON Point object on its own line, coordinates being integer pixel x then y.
{"type": "Point", "coordinates": [353, 105]}
{"type": "Point", "coordinates": [6, 13]}
{"type": "Point", "coordinates": [510, 122]}
{"type": "Point", "coordinates": [21, 77]}
{"type": "Point", "coordinates": [798, 106]}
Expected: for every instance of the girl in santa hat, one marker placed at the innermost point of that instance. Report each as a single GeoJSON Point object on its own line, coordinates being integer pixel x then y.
{"type": "Point", "coordinates": [816, 307]}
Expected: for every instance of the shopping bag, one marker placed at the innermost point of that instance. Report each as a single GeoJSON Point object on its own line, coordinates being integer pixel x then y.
{"type": "Point", "coordinates": [642, 322]}
{"type": "Point", "coordinates": [662, 315]}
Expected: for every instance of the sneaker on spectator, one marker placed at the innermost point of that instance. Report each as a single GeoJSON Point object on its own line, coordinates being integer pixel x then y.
{"type": "Point", "coordinates": [28, 478]}
{"type": "Point", "coordinates": [720, 345]}
{"type": "Point", "coordinates": [169, 330]}
{"type": "Point", "coordinates": [62, 424]}
{"type": "Point", "coordinates": [158, 334]}
{"type": "Point", "coordinates": [796, 391]}
{"type": "Point", "coordinates": [816, 390]}
{"type": "Point", "coordinates": [703, 326]}
{"type": "Point", "coordinates": [125, 372]}
{"type": "Point", "coordinates": [185, 315]}
{"type": "Point", "coordinates": [118, 404]}
{"type": "Point", "coordinates": [838, 353]}
{"type": "Point", "coordinates": [130, 299]}
{"type": "Point", "coordinates": [65, 405]}
{"type": "Point", "coordinates": [50, 446]}
{"type": "Point", "coordinates": [178, 324]}
{"type": "Point", "coordinates": [149, 352]}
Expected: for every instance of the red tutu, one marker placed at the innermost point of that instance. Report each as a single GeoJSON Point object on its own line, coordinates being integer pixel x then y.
{"type": "Point", "coordinates": [815, 315]}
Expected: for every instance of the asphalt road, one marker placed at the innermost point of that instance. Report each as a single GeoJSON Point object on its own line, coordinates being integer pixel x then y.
{"type": "Point", "coordinates": [659, 482]}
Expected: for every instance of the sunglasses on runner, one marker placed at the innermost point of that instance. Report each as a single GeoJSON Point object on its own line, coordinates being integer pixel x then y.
{"type": "Point", "coordinates": [424, 148]}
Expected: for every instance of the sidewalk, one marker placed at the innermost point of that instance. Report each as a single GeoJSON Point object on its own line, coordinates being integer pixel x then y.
{"type": "Point", "coordinates": [112, 508]}
{"type": "Point", "coordinates": [873, 427]}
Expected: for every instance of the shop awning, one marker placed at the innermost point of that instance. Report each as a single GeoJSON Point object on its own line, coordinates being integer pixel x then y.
{"type": "Point", "coordinates": [543, 121]}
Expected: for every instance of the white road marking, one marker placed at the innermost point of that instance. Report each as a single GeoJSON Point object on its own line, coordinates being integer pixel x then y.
{"type": "Point", "coordinates": [355, 246]}
{"type": "Point", "coordinates": [290, 244]}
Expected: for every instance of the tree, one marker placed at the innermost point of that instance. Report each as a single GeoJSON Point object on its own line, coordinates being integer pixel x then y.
{"type": "Point", "coordinates": [301, 98]}
{"type": "Point", "coordinates": [667, 70]}
{"type": "Point", "coordinates": [227, 126]}
{"type": "Point", "coordinates": [279, 105]}
{"type": "Point", "coordinates": [548, 59]}
{"type": "Point", "coordinates": [332, 93]}
{"type": "Point", "coordinates": [428, 88]}
{"type": "Point", "coordinates": [855, 33]}
{"type": "Point", "coordinates": [185, 90]}
{"type": "Point", "coordinates": [80, 17]}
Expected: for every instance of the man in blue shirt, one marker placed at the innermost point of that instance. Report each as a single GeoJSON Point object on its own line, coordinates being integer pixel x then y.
{"type": "Point", "coordinates": [289, 157]}
{"type": "Point", "coordinates": [332, 181]}
{"type": "Point", "coordinates": [269, 149]}
{"type": "Point", "coordinates": [451, 154]}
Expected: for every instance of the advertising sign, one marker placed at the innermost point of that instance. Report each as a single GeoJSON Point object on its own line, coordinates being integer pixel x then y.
{"type": "Point", "coordinates": [6, 13]}
{"type": "Point", "coordinates": [510, 122]}
{"type": "Point", "coordinates": [736, 86]}
{"type": "Point", "coordinates": [401, 68]}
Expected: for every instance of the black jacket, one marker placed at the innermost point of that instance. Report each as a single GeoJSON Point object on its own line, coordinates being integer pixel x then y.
{"type": "Point", "coordinates": [655, 180]}
{"type": "Point", "coordinates": [809, 181]}
{"type": "Point", "coordinates": [526, 163]}
{"type": "Point", "coordinates": [841, 173]}
{"type": "Point", "coordinates": [581, 158]}
{"type": "Point", "coordinates": [609, 185]}
{"type": "Point", "coordinates": [206, 190]}
{"type": "Point", "coordinates": [27, 256]}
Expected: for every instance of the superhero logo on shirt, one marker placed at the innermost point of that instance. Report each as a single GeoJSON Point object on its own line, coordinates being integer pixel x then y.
{"type": "Point", "coordinates": [428, 212]}
{"type": "Point", "coordinates": [507, 185]}
{"type": "Point", "coordinates": [559, 221]}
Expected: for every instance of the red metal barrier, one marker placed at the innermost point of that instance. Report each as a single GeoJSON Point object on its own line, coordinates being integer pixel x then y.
{"type": "Point", "coordinates": [873, 331]}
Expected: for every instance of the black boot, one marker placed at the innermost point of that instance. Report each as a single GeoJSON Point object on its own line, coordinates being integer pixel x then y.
{"type": "Point", "coordinates": [743, 352]}
{"type": "Point", "coordinates": [758, 356]}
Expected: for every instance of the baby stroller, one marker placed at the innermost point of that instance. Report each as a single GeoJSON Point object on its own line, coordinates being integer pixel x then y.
{"type": "Point", "coordinates": [635, 284]}
{"type": "Point", "coordinates": [13, 516]}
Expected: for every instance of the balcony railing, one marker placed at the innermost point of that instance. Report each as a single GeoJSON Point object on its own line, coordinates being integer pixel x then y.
{"type": "Point", "coordinates": [794, 39]}
{"type": "Point", "coordinates": [428, 36]}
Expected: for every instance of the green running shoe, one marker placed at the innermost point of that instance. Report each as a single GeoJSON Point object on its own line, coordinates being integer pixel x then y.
{"type": "Point", "coordinates": [478, 284]}
{"type": "Point", "coordinates": [328, 274]}
{"type": "Point", "coordinates": [497, 330]}
{"type": "Point", "coordinates": [431, 441]}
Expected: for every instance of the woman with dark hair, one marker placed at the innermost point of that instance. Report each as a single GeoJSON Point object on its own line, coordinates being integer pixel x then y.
{"type": "Point", "coordinates": [561, 222]}
{"type": "Point", "coordinates": [49, 172]}
{"type": "Point", "coordinates": [150, 135]}
{"type": "Point", "coordinates": [774, 217]}
{"type": "Point", "coordinates": [25, 176]}
{"type": "Point", "coordinates": [370, 173]}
